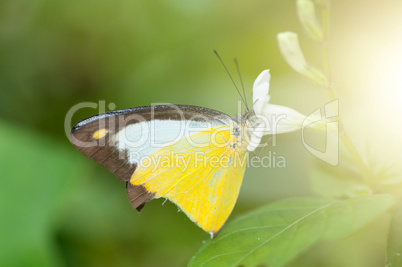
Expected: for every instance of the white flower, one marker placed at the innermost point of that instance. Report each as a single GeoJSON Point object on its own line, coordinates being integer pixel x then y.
{"type": "Point", "coordinates": [260, 91]}
{"type": "Point", "coordinates": [274, 119]}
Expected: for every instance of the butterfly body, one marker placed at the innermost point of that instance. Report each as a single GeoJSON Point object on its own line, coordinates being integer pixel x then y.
{"type": "Point", "coordinates": [193, 156]}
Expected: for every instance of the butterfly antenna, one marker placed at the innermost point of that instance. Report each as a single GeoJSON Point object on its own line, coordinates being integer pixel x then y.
{"type": "Point", "coordinates": [242, 85]}
{"type": "Point", "coordinates": [231, 78]}
{"type": "Point", "coordinates": [252, 106]}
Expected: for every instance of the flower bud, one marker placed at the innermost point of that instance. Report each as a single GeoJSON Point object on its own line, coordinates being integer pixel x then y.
{"type": "Point", "coordinates": [308, 18]}
{"type": "Point", "coordinates": [290, 49]}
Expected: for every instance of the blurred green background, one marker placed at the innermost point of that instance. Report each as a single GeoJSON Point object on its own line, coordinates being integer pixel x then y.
{"type": "Point", "coordinates": [58, 208]}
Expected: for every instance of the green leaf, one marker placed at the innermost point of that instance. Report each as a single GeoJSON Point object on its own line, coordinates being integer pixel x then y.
{"type": "Point", "coordinates": [39, 176]}
{"type": "Point", "coordinates": [275, 234]}
{"type": "Point", "coordinates": [364, 248]}
{"type": "Point", "coordinates": [394, 255]}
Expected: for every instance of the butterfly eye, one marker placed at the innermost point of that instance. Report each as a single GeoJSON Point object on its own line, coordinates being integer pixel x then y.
{"type": "Point", "coordinates": [236, 131]}
{"type": "Point", "coordinates": [100, 134]}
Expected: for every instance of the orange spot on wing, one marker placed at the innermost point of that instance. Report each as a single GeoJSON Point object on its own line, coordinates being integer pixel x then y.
{"type": "Point", "coordinates": [100, 134]}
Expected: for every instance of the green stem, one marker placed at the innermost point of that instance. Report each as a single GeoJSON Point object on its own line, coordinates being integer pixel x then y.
{"type": "Point", "coordinates": [350, 147]}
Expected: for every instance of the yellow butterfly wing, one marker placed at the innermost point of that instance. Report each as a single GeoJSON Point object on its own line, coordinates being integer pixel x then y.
{"type": "Point", "coordinates": [202, 174]}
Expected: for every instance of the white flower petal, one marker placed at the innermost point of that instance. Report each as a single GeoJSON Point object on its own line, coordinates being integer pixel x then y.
{"type": "Point", "coordinates": [260, 91]}
{"type": "Point", "coordinates": [255, 138]}
{"type": "Point", "coordinates": [281, 119]}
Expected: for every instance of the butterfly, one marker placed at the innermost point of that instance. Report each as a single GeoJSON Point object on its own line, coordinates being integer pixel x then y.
{"type": "Point", "coordinates": [192, 156]}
